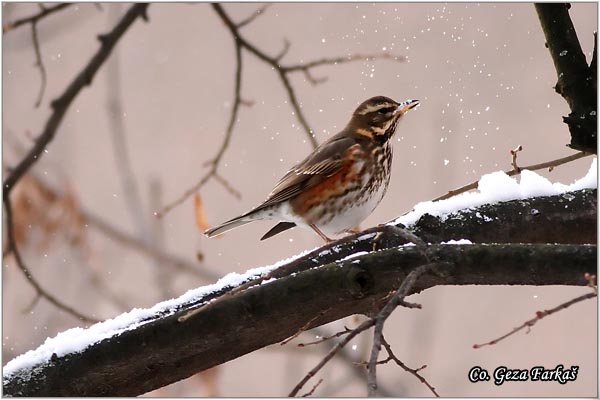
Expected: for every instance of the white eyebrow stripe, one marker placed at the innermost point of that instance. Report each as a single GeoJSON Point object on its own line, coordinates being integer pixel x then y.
{"type": "Point", "coordinates": [375, 107]}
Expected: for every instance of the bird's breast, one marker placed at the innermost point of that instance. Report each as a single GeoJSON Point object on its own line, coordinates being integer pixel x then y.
{"type": "Point", "coordinates": [345, 199]}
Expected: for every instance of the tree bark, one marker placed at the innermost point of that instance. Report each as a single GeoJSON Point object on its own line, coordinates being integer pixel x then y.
{"type": "Point", "coordinates": [576, 80]}
{"type": "Point", "coordinates": [323, 286]}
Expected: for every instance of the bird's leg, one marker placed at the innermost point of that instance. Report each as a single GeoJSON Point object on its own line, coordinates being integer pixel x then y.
{"type": "Point", "coordinates": [318, 231]}
{"type": "Point", "coordinates": [352, 231]}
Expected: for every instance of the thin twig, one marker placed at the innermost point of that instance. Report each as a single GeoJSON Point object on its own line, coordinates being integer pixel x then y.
{"type": "Point", "coordinates": [38, 63]}
{"type": "Point", "coordinates": [32, 304]}
{"type": "Point", "coordinates": [214, 163]}
{"type": "Point", "coordinates": [342, 60]}
{"type": "Point", "coordinates": [412, 371]}
{"type": "Point", "coordinates": [60, 107]}
{"type": "Point", "coordinates": [115, 111]}
{"type": "Point", "coordinates": [538, 316]}
{"type": "Point", "coordinates": [347, 356]}
{"type": "Point", "coordinates": [253, 16]}
{"type": "Point", "coordinates": [160, 256]}
{"type": "Point", "coordinates": [383, 315]}
{"type": "Point", "coordinates": [513, 172]}
{"type": "Point", "coordinates": [362, 327]}
{"type": "Point", "coordinates": [305, 327]}
{"type": "Point", "coordinates": [283, 72]}
{"type": "Point", "coordinates": [62, 103]}
{"type": "Point", "coordinates": [227, 185]}
{"type": "Point", "coordinates": [313, 388]}
{"type": "Point", "coordinates": [32, 19]}
{"type": "Point", "coordinates": [514, 154]}
{"type": "Point", "coordinates": [40, 291]}
{"type": "Point", "coordinates": [326, 338]}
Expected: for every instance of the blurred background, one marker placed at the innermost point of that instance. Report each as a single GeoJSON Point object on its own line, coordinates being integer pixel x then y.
{"type": "Point", "coordinates": [140, 135]}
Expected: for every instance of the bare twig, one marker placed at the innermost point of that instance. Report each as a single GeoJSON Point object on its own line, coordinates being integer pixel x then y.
{"type": "Point", "coordinates": [538, 316]}
{"type": "Point", "coordinates": [412, 371]}
{"type": "Point", "coordinates": [114, 108]}
{"type": "Point", "coordinates": [38, 63]}
{"type": "Point", "coordinates": [253, 16]}
{"type": "Point", "coordinates": [40, 291]}
{"type": "Point", "coordinates": [160, 256]}
{"type": "Point", "coordinates": [362, 327]}
{"type": "Point", "coordinates": [33, 19]}
{"type": "Point", "coordinates": [60, 107]}
{"type": "Point", "coordinates": [326, 338]}
{"type": "Point", "coordinates": [283, 72]}
{"type": "Point", "coordinates": [514, 154]}
{"type": "Point", "coordinates": [346, 356]}
{"type": "Point", "coordinates": [513, 172]}
{"type": "Point", "coordinates": [214, 163]}
{"type": "Point", "coordinates": [304, 327]}
{"type": "Point", "coordinates": [342, 60]}
{"type": "Point", "coordinates": [62, 103]}
{"type": "Point", "coordinates": [313, 389]}
{"type": "Point", "coordinates": [383, 315]}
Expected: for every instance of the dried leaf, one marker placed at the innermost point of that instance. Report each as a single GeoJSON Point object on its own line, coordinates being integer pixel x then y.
{"type": "Point", "coordinates": [39, 209]}
{"type": "Point", "coordinates": [209, 378]}
{"type": "Point", "coordinates": [199, 212]}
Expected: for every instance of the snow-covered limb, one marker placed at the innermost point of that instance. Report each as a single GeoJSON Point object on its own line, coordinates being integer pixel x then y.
{"type": "Point", "coordinates": [496, 187]}
{"type": "Point", "coordinates": [565, 218]}
{"type": "Point", "coordinates": [164, 350]}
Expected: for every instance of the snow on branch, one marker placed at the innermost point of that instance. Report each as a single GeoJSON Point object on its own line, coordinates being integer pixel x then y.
{"type": "Point", "coordinates": [160, 350]}
{"type": "Point", "coordinates": [148, 348]}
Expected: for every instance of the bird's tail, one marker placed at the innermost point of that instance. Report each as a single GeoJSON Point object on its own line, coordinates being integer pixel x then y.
{"type": "Point", "coordinates": [226, 226]}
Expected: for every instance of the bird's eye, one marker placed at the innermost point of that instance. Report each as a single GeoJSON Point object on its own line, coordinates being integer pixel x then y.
{"type": "Point", "coordinates": [384, 110]}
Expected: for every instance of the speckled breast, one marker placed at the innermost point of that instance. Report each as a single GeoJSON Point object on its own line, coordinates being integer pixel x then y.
{"type": "Point", "coordinates": [345, 199]}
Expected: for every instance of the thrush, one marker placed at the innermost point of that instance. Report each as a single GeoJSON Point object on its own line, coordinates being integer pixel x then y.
{"type": "Point", "coordinates": [340, 183]}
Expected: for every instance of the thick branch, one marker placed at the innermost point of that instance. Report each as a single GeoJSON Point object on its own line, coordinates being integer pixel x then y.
{"type": "Point", "coordinates": [535, 220]}
{"type": "Point", "coordinates": [164, 350]}
{"type": "Point", "coordinates": [245, 318]}
{"type": "Point", "coordinates": [576, 81]}
{"type": "Point", "coordinates": [518, 215]}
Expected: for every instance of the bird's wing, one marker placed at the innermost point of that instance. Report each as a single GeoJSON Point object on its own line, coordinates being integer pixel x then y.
{"type": "Point", "coordinates": [324, 162]}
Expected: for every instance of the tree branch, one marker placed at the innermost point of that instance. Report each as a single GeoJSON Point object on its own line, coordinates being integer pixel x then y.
{"type": "Point", "coordinates": [538, 316]}
{"type": "Point", "coordinates": [362, 327]}
{"type": "Point", "coordinates": [60, 106]}
{"type": "Point", "coordinates": [412, 371]}
{"type": "Point", "coordinates": [517, 171]}
{"type": "Point", "coordinates": [38, 63]}
{"type": "Point", "coordinates": [575, 79]}
{"type": "Point", "coordinates": [62, 103]}
{"type": "Point", "coordinates": [283, 72]}
{"type": "Point", "coordinates": [214, 163]}
{"type": "Point", "coordinates": [39, 290]}
{"type": "Point", "coordinates": [383, 315]}
{"type": "Point", "coordinates": [535, 220]}
{"type": "Point", "coordinates": [163, 350]}
{"type": "Point", "coordinates": [33, 19]}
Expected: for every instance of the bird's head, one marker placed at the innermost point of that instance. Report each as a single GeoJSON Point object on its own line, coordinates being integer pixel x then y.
{"type": "Point", "coordinates": [377, 117]}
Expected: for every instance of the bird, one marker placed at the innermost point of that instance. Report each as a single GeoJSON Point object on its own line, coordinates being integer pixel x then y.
{"type": "Point", "coordinates": [340, 183]}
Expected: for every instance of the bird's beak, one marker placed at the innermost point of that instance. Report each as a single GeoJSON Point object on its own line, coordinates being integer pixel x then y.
{"type": "Point", "coordinates": [406, 105]}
